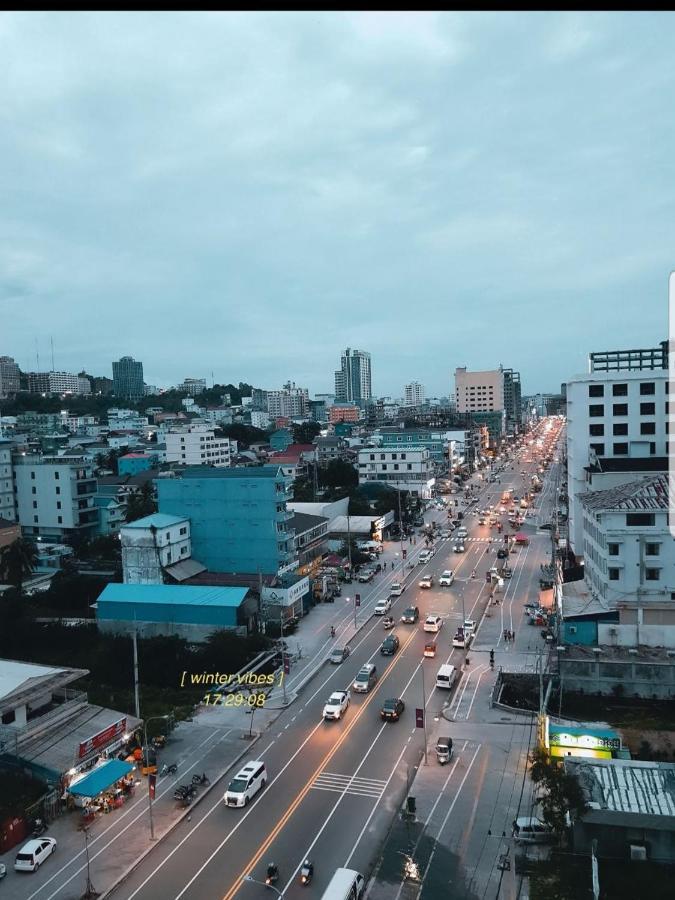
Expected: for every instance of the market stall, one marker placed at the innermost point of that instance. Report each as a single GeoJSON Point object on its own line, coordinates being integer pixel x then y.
{"type": "Point", "coordinates": [103, 788]}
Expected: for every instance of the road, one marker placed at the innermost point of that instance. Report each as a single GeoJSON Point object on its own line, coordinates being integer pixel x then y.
{"type": "Point", "coordinates": [334, 787]}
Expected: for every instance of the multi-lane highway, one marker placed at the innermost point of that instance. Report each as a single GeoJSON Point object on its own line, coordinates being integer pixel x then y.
{"type": "Point", "coordinates": [333, 787]}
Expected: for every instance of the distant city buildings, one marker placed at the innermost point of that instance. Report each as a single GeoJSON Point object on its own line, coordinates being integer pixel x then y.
{"type": "Point", "coordinates": [406, 469]}
{"type": "Point", "coordinates": [291, 402]}
{"type": "Point", "coordinates": [353, 379]}
{"type": "Point", "coordinates": [57, 383]}
{"type": "Point", "coordinates": [192, 386]}
{"type": "Point", "coordinates": [10, 377]}
{"type": "Point", "coordinates": [414, 394]}
{"type": "Point", "coordinates": [197, 445]}
{"type": "Point", "coordinates": [128, 379]}
{"type": "Point", "coordinates": [494, 391]}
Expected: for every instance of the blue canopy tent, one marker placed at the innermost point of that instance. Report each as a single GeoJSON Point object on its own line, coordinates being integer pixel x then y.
{"type": "Point", "coordinates": [101, 778]}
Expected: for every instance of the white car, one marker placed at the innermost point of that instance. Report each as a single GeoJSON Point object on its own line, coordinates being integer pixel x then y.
{"type": "Point", "coordinates": [31, 856]}
{"type": "Point", "coordinates": [447, 578]}
{"type": "Point", "coordinates": [461, 639]}
{"type": "Point", "coordinates": [424, 557]}
{"type": "Point", "coordinates": [396, 589]}
{"type": "Point", "coordinates": [469, 626]}
{"type": "Point", "coordinates": [336, 704]}
{"type": "Point", "coordinates": [426, 582]}
{"type": "Point", "coordinates": [382, 607]}
{"type": "Point", "coordinates": [458, 548]}
{"type": "Point", "coordinates": [433, 623]}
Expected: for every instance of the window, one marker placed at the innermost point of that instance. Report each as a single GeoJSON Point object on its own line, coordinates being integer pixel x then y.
{"type": "Point", "coordinates": [646, 388]}
{"type": "Point", "coordinates": [637, 519]}
{"type": "Point", "coordinates": [652, 549]}
{"type": "Point", "coordinates": [620, 390]}
{"type": "Point", "coordinates": [33, 490]}
{"type": "Point", "coordinates": [652, 574]}
{"type": "Point", "coordinates": [58, 490]}
{"type": "Point", "coordinates": [596, 409]}
{"type": "Point", "coordinates": [613, 549]}
{"type": "Point", "coordinates": [35, 518]}
{"type": "Point", "coordinates": [620, 449]}
{"type": "Point", "coordinates": [34, 504]}
{"type": "Point", "coordinates": [59, 519]}
{"type": "Point", "coordinates": [613, 574]}
{"type": "Point", "coordinates": [56, 475]}
{"type": "Point", "coordinates": [647, 428]}
{"type": "Point", "coordinates": [620, 409]}
{"type": "Point", "coordinates": [596, 430]}
{"type": "Point", "coordinates": [58, 504]}
{"type": "Point", "coordinates": [621, 428]}
{"type": "Point", "coordinates": [647, 409]}
{"type": "Point", "coordinates": [598, 449]}
{"type": "Point", "coordinates": [32, 475]}
{"type": "Point", "coordinates": [596, 390]}
{"type": "Point", "coordinates": [184, 529]}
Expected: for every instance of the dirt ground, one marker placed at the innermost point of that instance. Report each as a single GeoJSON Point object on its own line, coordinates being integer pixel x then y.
{"type": "Point", "coordinates": [648, 744]}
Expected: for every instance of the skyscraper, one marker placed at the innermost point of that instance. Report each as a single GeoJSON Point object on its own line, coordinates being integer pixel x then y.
{"type": "Point", "coordinates": [128, 379]}
{"type": "Point", "coordinates": [414, 394]}
{"type": "Point", "coordinates": [352, 380]}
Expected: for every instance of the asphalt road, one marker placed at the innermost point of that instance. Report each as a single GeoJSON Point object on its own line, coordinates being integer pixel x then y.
{"type": "Point", "coordinates": [333, 787]}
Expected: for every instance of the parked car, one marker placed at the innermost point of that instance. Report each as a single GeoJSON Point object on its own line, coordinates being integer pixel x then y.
{"type": "Point", "coordinates": [396, 589]}
{"type": "Point", "coordinates": [365, 575]}
{"type": "Point", "coordinates": [433, 623]}
{"type": "Point", "coordinates": [392, 709]}
{"type": "Point", "coordinates": [382, 607]}
{"type": "Point", "coordinates": [338, 655]}
{"type": "Point", "coordinates": [446, 578]}
{"type": "Point", "coordinates": [426, 582]}
{"type": "Point", "coordinates": [336, 704]}
{"type": "Point", "coordinates": [469, 626]}
{"type": "Point", "coordinates": [390, 645]}
{"type": "Point", "coordinates": [31, 856]}
{"type": "Point", "coordinates": [410, 615]}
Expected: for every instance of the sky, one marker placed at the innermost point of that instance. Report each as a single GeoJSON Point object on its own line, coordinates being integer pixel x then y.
{"type": "Point", "coordinates": [248, 194]}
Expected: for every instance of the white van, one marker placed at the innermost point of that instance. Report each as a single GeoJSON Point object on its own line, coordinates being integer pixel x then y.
{"type": "Point", "coordinates": [446, 676]}
{"type": "Point", "coordinates": [530, 830]}
{"type": "Point", "coordinates": [246, 784]}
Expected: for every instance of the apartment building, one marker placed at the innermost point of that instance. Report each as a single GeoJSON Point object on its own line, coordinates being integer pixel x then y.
{"type": "Point", "coordinates": [55, 496]}
{"type": "Point", "coordinates": [10, 377]}
{"type": "Point", "coordinates": [151, 545]}
{"type": "Point", "coordinates": [410, 469]}
{"type": "Point", "coordinates": [353, 380]}
{"type": "Point", "coordinates": [57, 383]}
{"type": "Point", "coordinates": [615, 414]}
{"type": "Point", "coordinates": [192, 386]}
{"type": "Point", "coordinates": [414, 394]}
{"type": "Point", "coordinates": [479, 391]}
{"type": "Point", "coordinates": [7, 498]}
{"type": "Point", "coordinates": [197, 445]}
{"type": "Point", "coordinates": [290, 402]}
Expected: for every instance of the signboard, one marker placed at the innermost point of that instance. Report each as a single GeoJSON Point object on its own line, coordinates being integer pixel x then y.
{"type": "Point", "coordinates": [102, 739]}
{"type": "Point", "coordinates": [583, 741]}
{"type": "Point", "coordinates": [279, 596]}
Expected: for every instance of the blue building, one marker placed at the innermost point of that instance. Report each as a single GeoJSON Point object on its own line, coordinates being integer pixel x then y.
{"type": "Point", "coordinates": [133, 463]}
{"type": "Point", "coordinates": [169, 609]}
{"type": "Point", "coordinates": [239, 521]}
{"type": "Point", "coordinates": [393, 438]}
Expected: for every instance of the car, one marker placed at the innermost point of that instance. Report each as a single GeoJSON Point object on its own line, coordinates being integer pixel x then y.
{"type": "Point", "coordinates": [365, 576]}
{"type": "Point", "coordinates": [462, 533]}
{"type": "Point", "coordinates": [336, 704]}
{"type": "Point", "coordinates": [365, 679]}
{"type": "Point", "coordinates": [458, 548]}
{"type": "Point", "coordinates": [31, 856]}
{"type": "Point", "coordinates": [433, 623]}
{"type": "Point", "coordinates": [382, 607]}
{"type": "Point", "coordinates": [424, 557]}
{"type": "Point", "coordinates": [410, 615]}
{"type": "Point", "coordinates": [426, 582]}
{"type": "Point", "coordinates": [481, 520]}
{"type": "Point", "coordinates": [418, 522]}
{"type": "Point", "coordinates": [430, 649]}
{"type": "Point", "coordinates": [444, 534]}
{"type": "Point", "coordinates": [446, 578]}
{"type": "Point", "coordinates": [502, 554]}
{"type": "Point", "coordinates": [396, 589]}
{"type": "Point", "coordinates": [461, 639]}
{"type": "Point", "coordinates": [390, 645]}
{"type": "Point", "coordinates": [392, 709]}
{"type": "Point", "coordinates": [3, 870]}
{"type": "Point", "coordinates": [338, 655]}
{"type": "Point", "coordinates": [546, 526]}
{"type": "Point", "coordinates": [469, 626]}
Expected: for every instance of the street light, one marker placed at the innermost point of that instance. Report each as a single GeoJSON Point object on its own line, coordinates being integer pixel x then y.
{"type": "Point", "coordinates": [264, 884]}
{"type": "Point", "coordinates": [146, 760]}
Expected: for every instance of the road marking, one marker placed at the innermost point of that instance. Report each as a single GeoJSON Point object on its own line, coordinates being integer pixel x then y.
{"type": "Point", "coordinates": [349, 784]}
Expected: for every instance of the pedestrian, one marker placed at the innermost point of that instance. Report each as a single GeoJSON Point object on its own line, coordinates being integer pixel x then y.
{"type": "Point", "coordinates": [506, 635]}
{"type": "Point", "coordinates": [513, 636]}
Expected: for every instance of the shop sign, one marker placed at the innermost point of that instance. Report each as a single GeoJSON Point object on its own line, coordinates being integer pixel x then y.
{"type": "Point", "coordinates": [583, 741]}
{"type": "Point", "coordinates": [102, 739]}
{"type": "Point", "coordinates": [285, 596]}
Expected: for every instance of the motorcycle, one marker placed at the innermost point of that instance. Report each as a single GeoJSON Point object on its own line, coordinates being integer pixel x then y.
{"type": "Point", "coordinates": [200, 779]}
{"type": "Point", "coordinates": [388, 622]}
{"type": "Point", "coordinates": [272, 874]}
{"type": "Point", "coordinates": [159, 742]}
{"type": "Point", "coordinates": [306, 872]}
{"type": "Point", "coordinates": [39, 827]}
{"type": "Point", "coordinates": [170, 769]}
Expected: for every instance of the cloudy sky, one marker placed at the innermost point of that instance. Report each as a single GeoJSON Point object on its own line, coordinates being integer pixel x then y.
{"type": "Point", "coordinates": [248, 194]}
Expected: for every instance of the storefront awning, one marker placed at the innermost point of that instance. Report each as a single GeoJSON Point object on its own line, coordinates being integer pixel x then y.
{"type": "Point", "coordinates": [101, 778]}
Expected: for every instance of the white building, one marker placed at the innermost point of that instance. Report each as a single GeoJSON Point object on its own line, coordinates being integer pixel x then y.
{"type": "Point", "coordinates": [629, 561]}
{"type": "Point", "coordinates": [617, 414]}
{"type": "Point", "coordinates": [193, 386]}
{"type": "Point", "coordinates": [353, 380]}
{"type": "Point", "coordinates": [55, 496]}
{"type": "Point", "coordinates": [291, 402]}
{"type": "Point", "coordinates": [57, 383]}
{"type": "Point", "coordinates": [153, 544]}
{"type": "Point", "coordinates": [7, 501]}
{"type": "Point", "coordinates": [197, 445]}
{"type": "Point", "coordinates": [414, 394]}
{"type": "Point", "coordinates": [126, 420]}
{"type": "Point", "coordinates": [406, 470]}
{"type": "Point", "coordinates": [260, 419]}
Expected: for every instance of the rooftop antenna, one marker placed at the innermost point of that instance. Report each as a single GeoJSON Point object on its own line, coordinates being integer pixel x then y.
{"type": "Point", "coordinates": [37, 354]}
{"type": "Point", "coordinates": [52, 341]}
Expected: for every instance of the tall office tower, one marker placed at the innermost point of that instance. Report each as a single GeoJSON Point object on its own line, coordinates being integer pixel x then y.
{"type": "Point", "coordinates": [352, 380]}
{"type": "Point", "coordinates": [10, 376]}
{"type": "Point", "coordinates": [128, 379]}
{"type": "Point", "coordinates": [414, 394]}
{"type": "Point", "coordinates": [512, 401]}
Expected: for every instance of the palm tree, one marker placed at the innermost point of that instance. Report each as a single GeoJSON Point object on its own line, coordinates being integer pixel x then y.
{"type": "Point", "coordinates": [18, 561]}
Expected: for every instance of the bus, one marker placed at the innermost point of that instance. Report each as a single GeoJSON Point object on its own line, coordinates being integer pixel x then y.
{"type": "Point", "coordinates": [346, 884]}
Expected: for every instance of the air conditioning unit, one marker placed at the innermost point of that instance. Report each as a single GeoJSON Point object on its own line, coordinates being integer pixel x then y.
{"type": "Point", "coordinates": [638, 853]}
{"type": "Point", "coordinates": [598, 650]}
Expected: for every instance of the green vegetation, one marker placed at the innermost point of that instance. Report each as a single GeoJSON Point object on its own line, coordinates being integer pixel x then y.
{"type": "Point", "coordinates": [561, 794]}
{"type": "Point", "coordinates": [141, 503]}
{"type": "Point", "coordinates": [17, 562]}
{"type": "Point", "coordinates": [17, 793]}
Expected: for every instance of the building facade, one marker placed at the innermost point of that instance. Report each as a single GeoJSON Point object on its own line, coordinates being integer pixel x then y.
{"type": "Point", "coordinates": [197, 445]}
{"type": "Point", "coordinates": [353, 383]}
{"type": "Point", "coordinates": [410, 469]}
{"type": "Point", "coordinates": [343, 412]}
{"type": "Point", "coordinates": [7, 497]}
{"type": "Point", "coordinates": [291, 402]}
{"type": "Point", "coordinates": [151, 544]}
{"type": "Point", "coordinates": [479, 391]}
{"type": "Point", "coordinates": [10, 377]}
{"type": "Point", "coordinates": [128, 379]}
{"type": "Point", "coordinates": [239, 521]}
{"type": "Point", "coordinates": [513, 412]}
{"type": "Point", "coordinates": [55, 496]}
{"type": "Point", "coordinates": [414, 394]}
{"type": "Point", "coordinates": [57, 383]}
{"type": "Point", "coordinates": [192, 386]}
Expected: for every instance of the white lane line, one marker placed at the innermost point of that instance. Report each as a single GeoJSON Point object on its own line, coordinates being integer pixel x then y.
{"type": "Point", "coordinates": [141, 801]}
{"type": "Point", "coordinates": [482, 671]}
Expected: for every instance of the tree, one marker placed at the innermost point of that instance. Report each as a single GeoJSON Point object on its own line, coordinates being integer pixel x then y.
{"type": "Point", "coordinates": [358, 558]}
{"type": "Point", "coordinates": [141, 503]}
{"type": "Point", "coordinates": [562, 792]}
{"type": "Point", "coordinates": [305, 432]}
{"type": "Point", "coordinates": [17, 562]}
{"type": "Point", "coordinates": [339, 474]}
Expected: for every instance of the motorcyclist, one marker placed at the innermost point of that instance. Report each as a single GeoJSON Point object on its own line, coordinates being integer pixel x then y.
{"type": "Point", "coordinates": [272, 873]}
{"type": "Point", "coordinates": [473, 573]}
{"type": "Point", "coordinates": [332, 631]}
{"type": "Point", "coordinates": [492, 659]}
{"type": "Point", "coordinates": [307, 871]}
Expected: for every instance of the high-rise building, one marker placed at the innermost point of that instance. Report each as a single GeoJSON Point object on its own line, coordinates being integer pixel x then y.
{"type": "Point", "coordinates": [10, 376]}
{"type": "Point", "coordinates": [197, 445]}
{"type": "Point", "coordinates": [353, 379]}
{"type": "Point", "coordinates": [57, 383]}
{"type": "Point", "coordinates": [128, 379]}
{"type": "Point", "coordinates": [193, 386]}
{"type": "Point", "coordinates": [414, 394]}
{"type": "Point", "coordinates": [7, 497]}
{"type": "Point", "coordinates": [512, 401]}
{"type": "Point", "coordinates": [291, 402]}
{"type": "Point", "coordinates": [55, 496]}
{"type": "Point", "coordinates": [479, 391]}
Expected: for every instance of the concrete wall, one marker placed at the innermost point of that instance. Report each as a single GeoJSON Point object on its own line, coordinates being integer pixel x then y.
{"type": "Point", "coordinates": [193, 633]}
{"type": "Point", "coordinates": [633, 635]}
{"type": "Point", "coordinates": [605, 675]}
{"type": "Point", "coordinates": [614, 842]}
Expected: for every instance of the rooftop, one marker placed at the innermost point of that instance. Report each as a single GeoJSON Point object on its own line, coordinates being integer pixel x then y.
{"type": "Point", "coordinates": [636, 496]}
{"type": "Point", "coordinates": [181, 595]}
{"type": "Point", "coordinates": [222, 472]}
{"type": "Point", "coordinates": [577, 601]}
{"type": "Point", "coordinates": [302, 522]}
{"type": "Point", "coordinates": [156, 520]}
{"type": "Point", "coordinates": [21, 677]}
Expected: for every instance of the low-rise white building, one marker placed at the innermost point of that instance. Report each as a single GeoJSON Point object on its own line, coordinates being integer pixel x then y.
{"type": "Point", "coordinates": [197, 445]}
{"type": "Point", "coordinates": [410, 469]}
{"type": "Point", "coordinates": [126, 420]}
{"type": "Point", "coordinates": [629, 558]}
{"type": "Point", "coordinates": [55, 496]}
{"type": "Point", "coordinates": [151, 544]}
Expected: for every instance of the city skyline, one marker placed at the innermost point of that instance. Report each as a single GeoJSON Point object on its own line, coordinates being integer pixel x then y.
{"type": "Point", "coordinates": [400, 182]}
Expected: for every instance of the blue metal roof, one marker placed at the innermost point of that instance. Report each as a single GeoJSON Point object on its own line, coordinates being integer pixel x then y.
{"type": "Point", "coordinates": [101, 778]}
{"type": "Point", "coordinates": [177, 594]}
{"type": "Point", "coordinates": [159, 520]}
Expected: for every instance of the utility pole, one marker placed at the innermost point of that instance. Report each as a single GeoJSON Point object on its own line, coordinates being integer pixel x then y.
{"type": "Point", "coordinates": [400, 529]}
{"type": "Point", "coordinates": [283, 650]}
{"type": "Point", "coordinates": [137, 701]}
{"type": "Point", "coordinates": [349, 541]}
{"type": "Point", "coordinates": [424, 714]}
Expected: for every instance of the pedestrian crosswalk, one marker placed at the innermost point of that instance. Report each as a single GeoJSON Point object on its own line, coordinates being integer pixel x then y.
{"type": "Point", "coordinates": [350, 784]}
